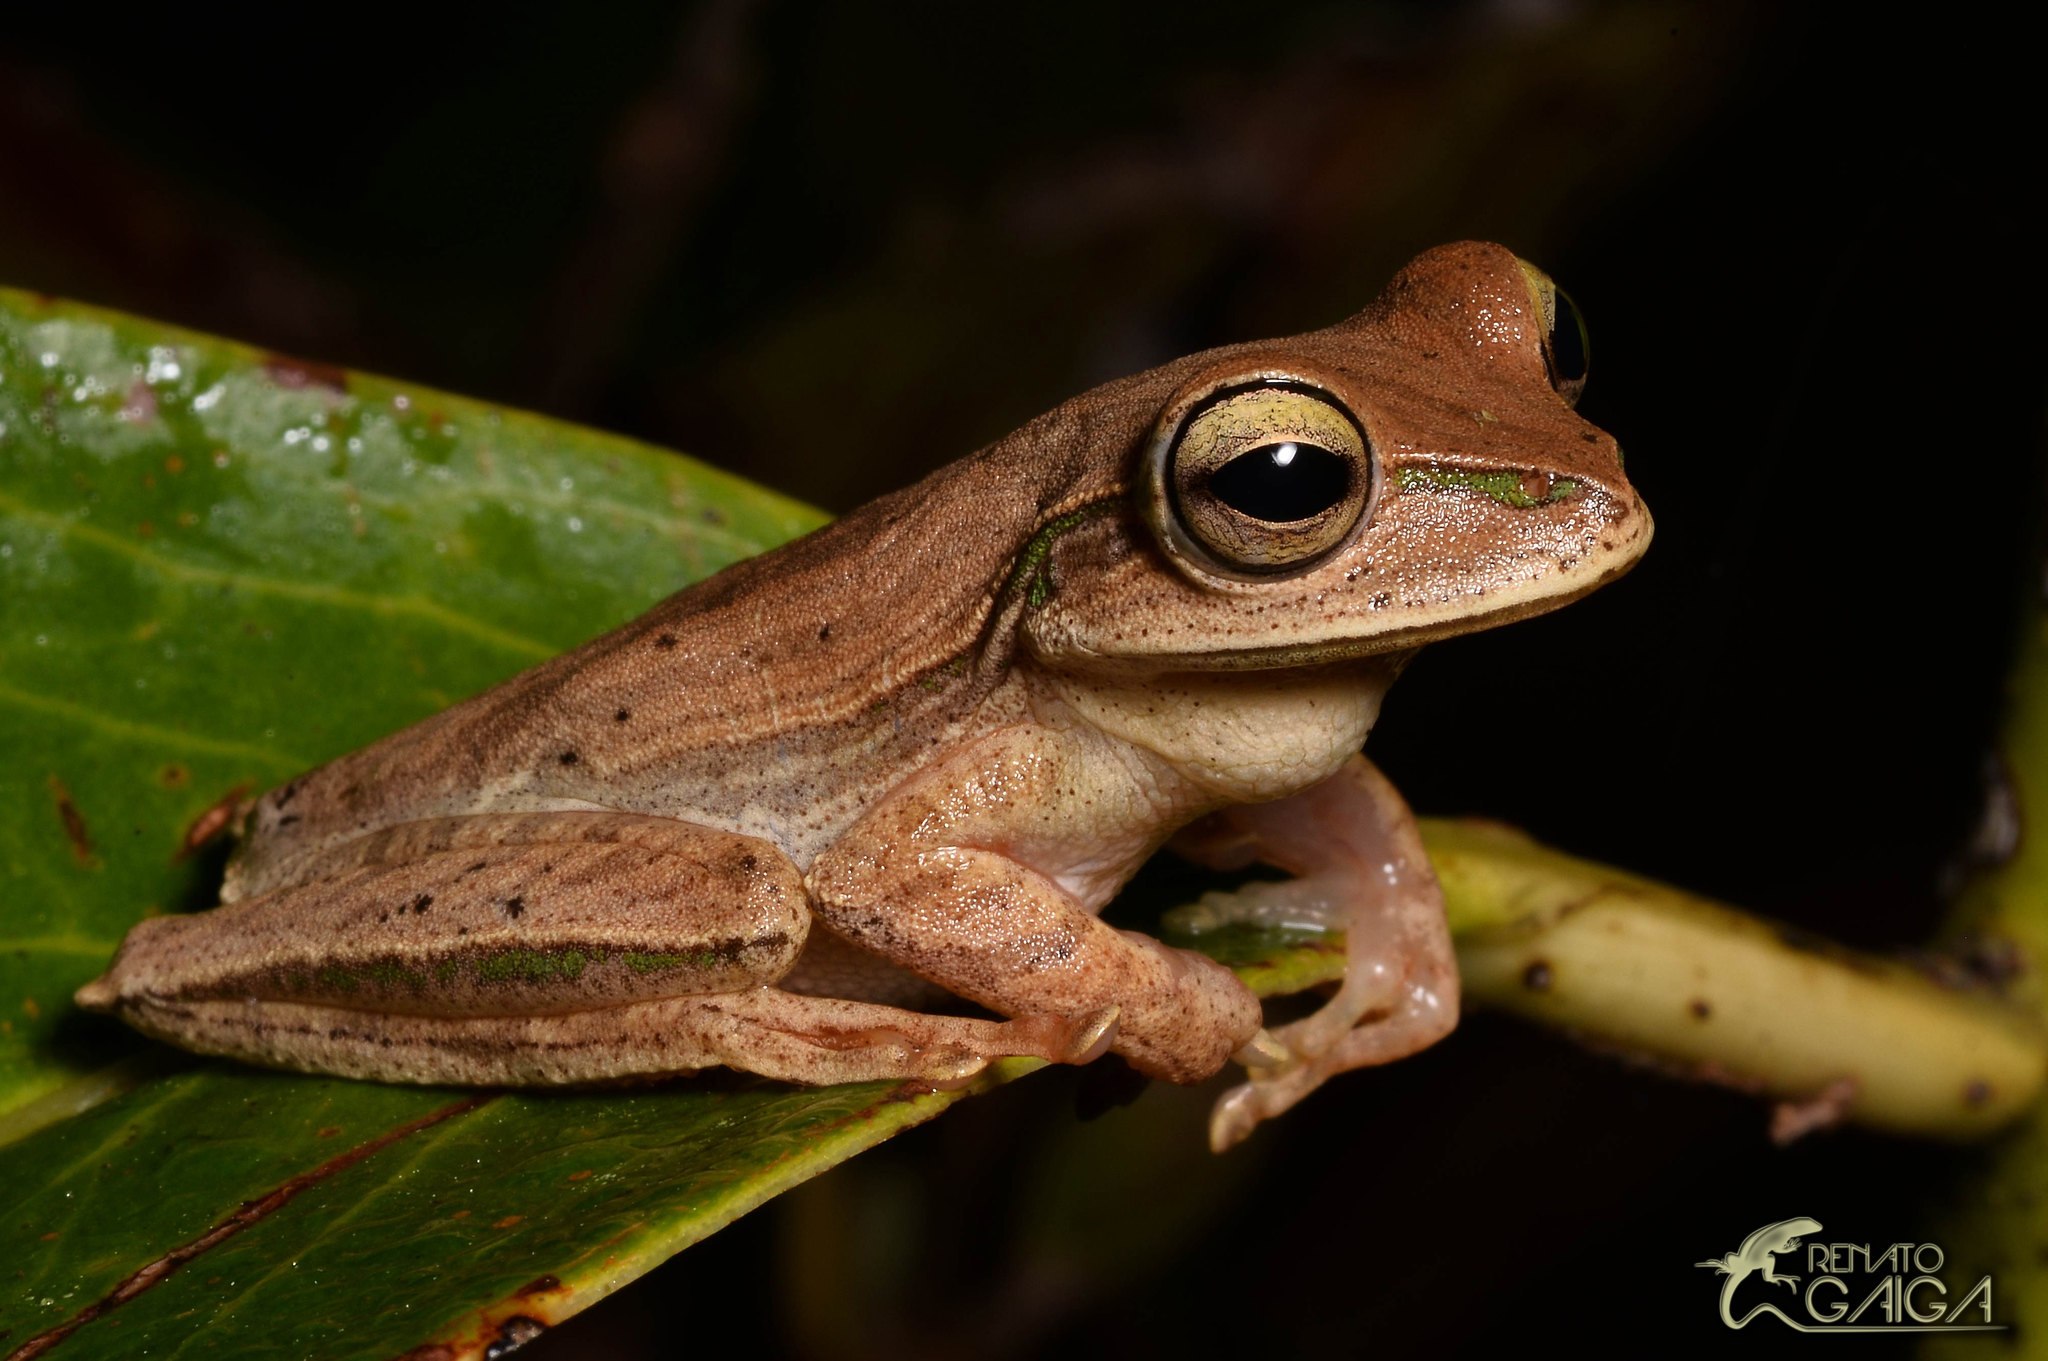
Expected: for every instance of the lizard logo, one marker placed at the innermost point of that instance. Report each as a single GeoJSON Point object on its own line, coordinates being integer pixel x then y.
{"type": "Point", "coordinates": [1758, 1253]}
{"type": "Point", "coordinates": [1906, 1293]}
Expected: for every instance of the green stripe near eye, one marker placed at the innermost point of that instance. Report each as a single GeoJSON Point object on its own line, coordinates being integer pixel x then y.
{"type": "Point", "coordinates": [1506, 488]}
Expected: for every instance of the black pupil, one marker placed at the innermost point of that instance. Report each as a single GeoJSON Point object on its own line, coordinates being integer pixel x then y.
{"type": "Point", "coordinates": [1282, 482]}
{"type": "Point", "coordinates": [1567, 342]}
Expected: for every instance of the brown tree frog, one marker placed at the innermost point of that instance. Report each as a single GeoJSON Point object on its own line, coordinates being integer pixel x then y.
{"type": "Point", "coordinates": [767, 824]}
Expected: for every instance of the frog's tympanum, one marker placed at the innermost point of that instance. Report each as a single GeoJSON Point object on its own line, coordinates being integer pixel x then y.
{"type": "Point", "coordinates": [775, 821]}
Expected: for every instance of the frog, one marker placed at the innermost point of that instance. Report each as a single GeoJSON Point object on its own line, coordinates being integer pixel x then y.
{"type": "Point", "coordinates": [850, 810]}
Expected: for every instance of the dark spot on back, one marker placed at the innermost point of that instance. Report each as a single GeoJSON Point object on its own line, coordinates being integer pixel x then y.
{"type": "Point", "coordinates": [622, 715]}
{"type": "Point", "coordinates": [568, 758]}
{"type": "Point", "coordinates": [515, 907]}
{"type": "Point", "coordinates": [422, 903]}
{"type": "Point", "coordinates": [665, 640]}
{"type": "Point", "coordinates": [825, 633]}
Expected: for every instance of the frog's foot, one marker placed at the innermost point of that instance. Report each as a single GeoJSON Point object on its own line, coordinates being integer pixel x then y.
{"type": "Point", "coordinates": [1361, 869]}
{"type": "Point", "coordinates": [776, 1034]}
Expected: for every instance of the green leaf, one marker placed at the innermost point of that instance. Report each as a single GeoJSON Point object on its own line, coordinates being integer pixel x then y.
{"type": "Point", "coordinates": [218, 567]}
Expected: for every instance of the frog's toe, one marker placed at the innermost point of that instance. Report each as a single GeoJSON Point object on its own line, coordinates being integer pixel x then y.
{"type": "Point", "coordinates": [1262, 1050]}
{"type": "Point", "coordinates": [98, 995]}
{"type": "Point", "coordinates": [1094, 1036]}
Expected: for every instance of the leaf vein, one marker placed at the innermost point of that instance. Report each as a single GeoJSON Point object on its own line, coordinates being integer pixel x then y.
{"type": "Point", "coordinates": [139, 731]}
{"type": "Point", "coordinates": [317, 592]}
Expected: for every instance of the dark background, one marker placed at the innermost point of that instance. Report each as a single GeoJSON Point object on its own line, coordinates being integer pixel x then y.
{"type": "Point", "coordinates": [831, 248]}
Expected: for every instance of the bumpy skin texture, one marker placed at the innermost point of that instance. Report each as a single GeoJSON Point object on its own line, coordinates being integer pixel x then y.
{"type": "Point", "coordinates": [931, 739]}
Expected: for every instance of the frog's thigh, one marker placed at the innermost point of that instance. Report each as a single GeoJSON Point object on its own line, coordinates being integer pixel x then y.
{"type": "Point", "coordinates": [1361, 868]}
{"type": "Point", "coordinates": [952, 877]}
{"type": "Point", "coordinates": [761, 1030]}
{"type": "Point", "coordinates": [487, 915]}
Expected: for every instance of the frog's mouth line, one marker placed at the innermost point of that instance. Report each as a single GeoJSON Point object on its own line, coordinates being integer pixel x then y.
{"type": "Point", "coordinates": [1539, 594]}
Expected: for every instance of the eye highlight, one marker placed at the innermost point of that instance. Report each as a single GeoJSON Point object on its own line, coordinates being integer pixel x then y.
{"type": "Point", "coordinates": [1266, 477]}
{"type": "Point", "coordinates": [1281, 482]}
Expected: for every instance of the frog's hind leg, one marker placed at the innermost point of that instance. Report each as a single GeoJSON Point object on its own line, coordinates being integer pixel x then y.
{"type": "Point", "coordinates": [506, 914]}
{"type": "Point", "coordinates": [761, 1030]}
{"type": "Point", "coordinates": [520, 948]}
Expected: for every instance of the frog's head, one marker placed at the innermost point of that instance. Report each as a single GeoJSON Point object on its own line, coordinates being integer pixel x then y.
{"type": "Point", "coordinates": [1414, 472]}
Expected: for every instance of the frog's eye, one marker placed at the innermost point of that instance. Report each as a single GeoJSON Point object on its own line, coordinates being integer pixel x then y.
{"type": "Point", "coordinates": [1268, 477]}
{"type": "Point", "coordinates": [1565, 350]}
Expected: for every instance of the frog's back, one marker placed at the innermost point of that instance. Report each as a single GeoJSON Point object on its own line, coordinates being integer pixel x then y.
{"type": "Point", "coordinates": [776, 698]}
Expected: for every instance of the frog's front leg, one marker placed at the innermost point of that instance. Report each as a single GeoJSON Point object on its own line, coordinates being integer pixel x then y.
{"type": "Point", "coordinates": [534, 948]}
{"type": "Point", "coordinates": [984, 875]}
{"type": "Point", "coordinates": [1359, 867]}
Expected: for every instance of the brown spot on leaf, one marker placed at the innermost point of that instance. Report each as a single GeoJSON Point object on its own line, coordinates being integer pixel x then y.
{"type": "Point", "coordinates": [584, 1175]}
{"type": "Point", "coordinates": [139, 407]}
{"type": "Point", "coordinates": [1976, 1093]}
{"type": "Point", "coordinates": [539, 1285]}
{"type": "Point", "coordinates": [1701, 1008]}
{"type": "Point", "coordinates": [288, 372]}
{"type": "Point", "coordinates": [513, 1333]}
{"type": "Point", "coordinates": [1538, 977]}
{"type": "Point", "coordinates": [31, 1009]}
{"type": "Point", "coordinates": [326, 1131]}
{"type": "Point", "coordinates": [432, 1351]}
{"type": "Point", "coordinates": [212, 822]}
{"type": "Point", "coordinates": [74, 824]}
{"type": "Point", "coordinates": [507, 1222]}
{"type": "Point", "coordinates": [174, 776]}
